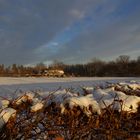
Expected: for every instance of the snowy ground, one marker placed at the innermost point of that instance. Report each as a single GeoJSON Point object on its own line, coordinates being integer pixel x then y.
{"type": "Point", "coordinates": [109, 105]}
{"type": "Point", "coordinates": [11, 87]}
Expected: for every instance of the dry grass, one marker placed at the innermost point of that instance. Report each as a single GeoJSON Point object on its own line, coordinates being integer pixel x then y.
{"type": "Point", "coordinates": [49, 124]}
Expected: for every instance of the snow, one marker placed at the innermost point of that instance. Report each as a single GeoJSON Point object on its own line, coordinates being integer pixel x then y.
{"type": "Point", "coordinates": [13, 87]}
{"type": "Point", "coordinates": [21, 99]}
{"type": "Point", "coordinates": [4, 103]}
{"type": "Point", "coordinates": [84, 102]}
{"type": "Point", "coordinates": [59, 95]}
{"type": "Point", "coordinates": [5, 115]}
{"type": "Point", "coordinates": [119, 100]}
{"type": "Point", "coordinates": [131, 85]}
{"type": "Point", "coordinates": [92, 95]}
{"type": "Point", "coordinates": [37, 107]}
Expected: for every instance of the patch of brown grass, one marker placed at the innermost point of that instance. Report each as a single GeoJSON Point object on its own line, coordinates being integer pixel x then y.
{"type": "Point", "coordinates": [73, 125]}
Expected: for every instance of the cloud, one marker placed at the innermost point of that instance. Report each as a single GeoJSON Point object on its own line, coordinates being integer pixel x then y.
{"type": "Point", "coordinates": [108, 40]}
{"type": "Point", "coordinates": [29, 24]}
{"type": "Point", "coordinates": [72, 31]}
{"type": "Point", "coordinates": [76, 13]}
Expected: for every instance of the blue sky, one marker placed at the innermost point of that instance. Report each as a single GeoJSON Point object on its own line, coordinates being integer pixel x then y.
{"type": "Point", "coordinates": [72, 31]}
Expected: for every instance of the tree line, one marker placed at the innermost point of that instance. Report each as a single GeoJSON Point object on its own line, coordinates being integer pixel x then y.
{"type": "Point", "coordinates": [122, 66]}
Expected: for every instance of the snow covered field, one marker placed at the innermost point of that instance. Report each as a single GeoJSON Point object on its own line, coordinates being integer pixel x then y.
{"type": "Point", "coordinates": [101, 108]}
{"type": "Point", "coordinates": [11, 87]}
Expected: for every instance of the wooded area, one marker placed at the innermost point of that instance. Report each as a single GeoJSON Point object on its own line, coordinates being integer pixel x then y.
{"type": "Point", "coordinates": [122, 66]}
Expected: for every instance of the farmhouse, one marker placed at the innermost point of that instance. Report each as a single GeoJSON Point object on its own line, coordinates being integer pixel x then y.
{"type": "Point", "coordinates": [54, 73]}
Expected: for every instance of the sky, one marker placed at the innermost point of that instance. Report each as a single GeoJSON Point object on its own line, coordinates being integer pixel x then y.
{"type": "Point", "coordinates": [71, 31]}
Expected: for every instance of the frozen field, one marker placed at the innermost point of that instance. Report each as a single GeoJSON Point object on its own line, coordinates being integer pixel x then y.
{"type": "Point", "coordinates": [83, 108]}
{"type": "Point", "coordinates": [11, 87]}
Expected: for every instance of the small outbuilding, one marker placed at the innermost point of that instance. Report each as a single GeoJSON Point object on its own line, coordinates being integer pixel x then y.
{"type": "Point", "coordinates": [54, 73]}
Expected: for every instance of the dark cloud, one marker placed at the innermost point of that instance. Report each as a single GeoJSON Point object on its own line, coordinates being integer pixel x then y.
{"type": "Point", "coordinates": [113, 27]}
{"type": "Point", "coordinates": [109, 42]}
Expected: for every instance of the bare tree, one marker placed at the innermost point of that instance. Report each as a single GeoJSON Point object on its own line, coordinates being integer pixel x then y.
{"type": "Point", "coordinates": [123, 59]}
{"type": "Point", "coordinates": [57, 65]}
{"type": "Point", "coordinates": [40, 66]}
{"type": "Point", "coordinates": [138, 59]}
